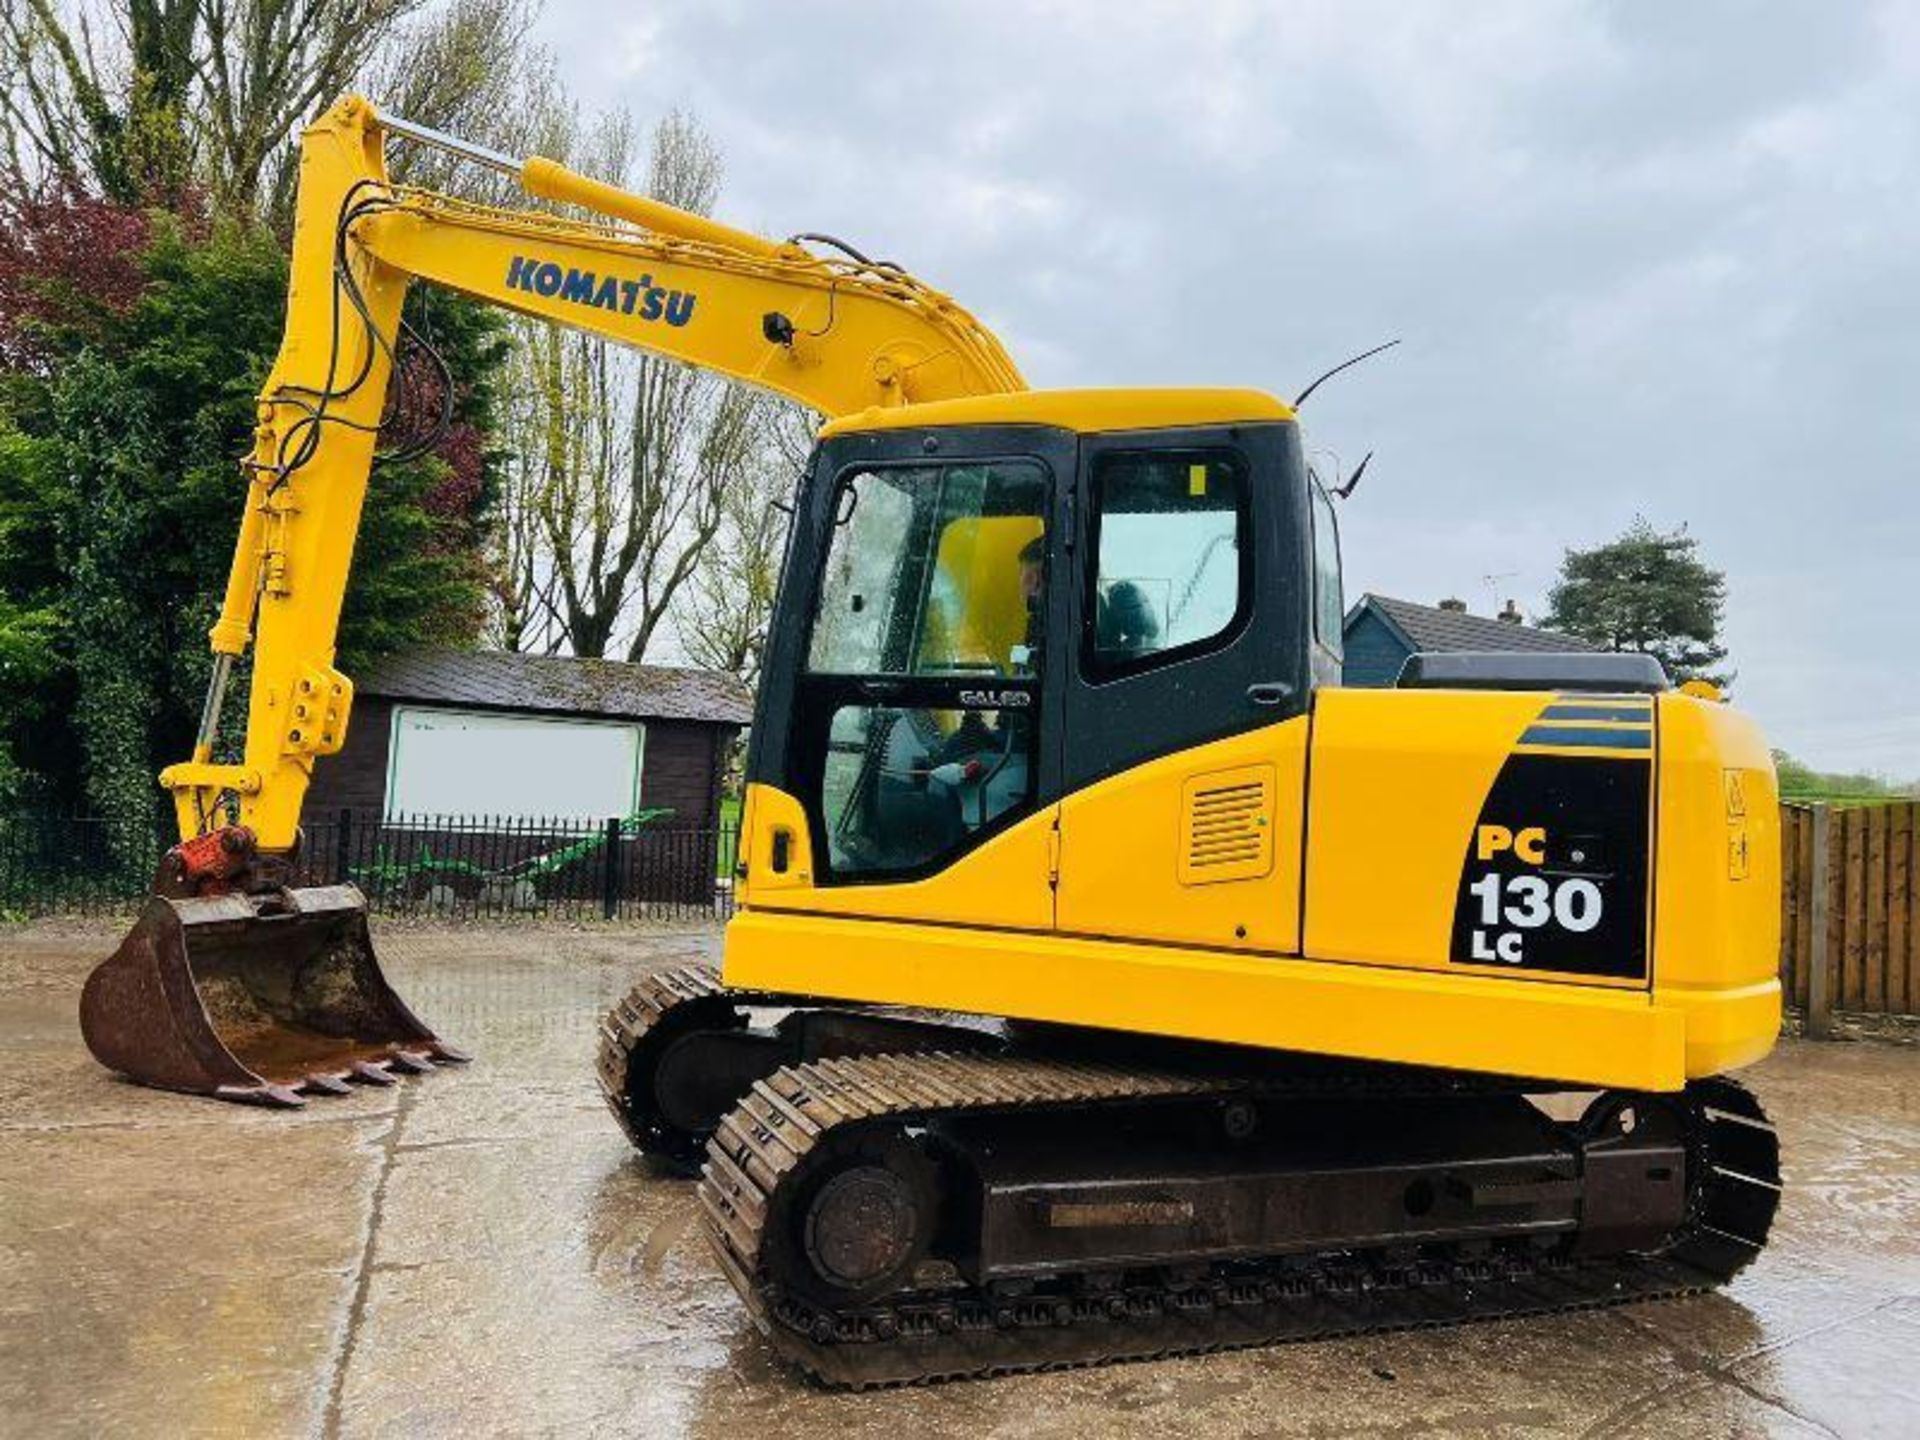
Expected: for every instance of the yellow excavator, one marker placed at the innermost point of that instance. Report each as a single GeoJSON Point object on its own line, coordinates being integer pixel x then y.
{"type": "Point", "coordinates": [1106, 981]}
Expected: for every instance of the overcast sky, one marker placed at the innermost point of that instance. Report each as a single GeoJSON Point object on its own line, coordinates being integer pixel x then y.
{"type": "Point", "coordinates": [1645, 258]}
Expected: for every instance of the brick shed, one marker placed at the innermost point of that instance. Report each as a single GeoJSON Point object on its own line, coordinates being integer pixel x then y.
{"type": "Point", "coordinates": [482, 733]}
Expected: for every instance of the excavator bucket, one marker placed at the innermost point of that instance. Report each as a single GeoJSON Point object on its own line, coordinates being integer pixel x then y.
{"type": "Point", "coordinates": [254, 997]}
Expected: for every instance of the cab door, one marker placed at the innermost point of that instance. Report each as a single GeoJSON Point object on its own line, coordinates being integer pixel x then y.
{"type": "Point", "coordinates": [1186, 701]}
{"type": "Point", "coordinates": [906, 756]}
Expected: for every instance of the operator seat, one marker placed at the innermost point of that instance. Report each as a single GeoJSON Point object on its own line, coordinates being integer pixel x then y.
{"type": "Point", "coordinates": [1125, 624]}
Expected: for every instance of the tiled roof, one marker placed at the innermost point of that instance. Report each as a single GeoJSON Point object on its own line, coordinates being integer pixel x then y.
{"type": "Point", "coordinates": [1430, 628]}
{"type": "Point", "coordinates": [559, 684]}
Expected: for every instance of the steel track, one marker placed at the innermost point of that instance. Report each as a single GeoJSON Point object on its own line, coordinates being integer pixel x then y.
{"type": "Point", "coordinates": [665, 1005]}
{"type": "Point", "coordinates": [763, 1148]}
{"type": "Point", "coordinates": [688, 994]}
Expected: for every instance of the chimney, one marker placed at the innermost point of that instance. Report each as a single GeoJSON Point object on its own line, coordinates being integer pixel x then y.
{"type": "Point", "coordinates": [1511, 614]}
{"type": "Point", "coordinates": [1452, 604]}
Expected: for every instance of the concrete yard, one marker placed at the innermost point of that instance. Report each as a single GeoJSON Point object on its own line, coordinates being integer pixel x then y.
{"type": "Point", "coordinates": [478, 1252]}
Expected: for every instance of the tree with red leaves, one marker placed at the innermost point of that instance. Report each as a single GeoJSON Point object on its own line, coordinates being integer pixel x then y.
{"type": "Point", "coordinates": [69, 263]}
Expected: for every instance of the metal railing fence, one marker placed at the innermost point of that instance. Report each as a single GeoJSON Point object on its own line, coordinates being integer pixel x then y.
{"type": "Point", "coordinates": [476, 866]}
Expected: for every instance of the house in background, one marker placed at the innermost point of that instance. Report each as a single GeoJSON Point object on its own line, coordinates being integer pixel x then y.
{"type": "Point", "coordinates": [451, 733]}
{"type": "Point", "coordinates": [1381, 632]}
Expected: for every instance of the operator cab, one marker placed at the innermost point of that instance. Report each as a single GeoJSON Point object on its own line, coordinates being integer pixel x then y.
{"type": "Point", "coordinates": [994, 602]}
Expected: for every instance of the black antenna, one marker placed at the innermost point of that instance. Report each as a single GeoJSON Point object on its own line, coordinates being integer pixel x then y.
{"type": "Point", "coordinates": [1301, 398]}
{"type": "Point", "coordinates": [1342, 491]}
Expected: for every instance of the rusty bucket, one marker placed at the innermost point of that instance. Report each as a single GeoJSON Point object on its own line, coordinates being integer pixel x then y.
{"type": "Point", "coordinates": [254, 997]}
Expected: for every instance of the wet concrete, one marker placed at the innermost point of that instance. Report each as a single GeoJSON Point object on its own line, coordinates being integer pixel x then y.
{"type": "Point", "coordinates": [478, 1252]}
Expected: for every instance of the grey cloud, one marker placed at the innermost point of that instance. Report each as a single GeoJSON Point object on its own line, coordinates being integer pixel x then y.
{"type": "Point", "coordinates": [1653, 259]}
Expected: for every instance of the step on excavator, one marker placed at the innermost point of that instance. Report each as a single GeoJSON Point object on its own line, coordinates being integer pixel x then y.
{"type": "Point", "coordinates": [1107, 980]}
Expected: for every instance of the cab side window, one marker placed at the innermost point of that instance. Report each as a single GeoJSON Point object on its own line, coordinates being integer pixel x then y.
{"type": "Point", "coordinates": [1173, 574]}
{"type": "Point", "coordinates": [1329, 604]}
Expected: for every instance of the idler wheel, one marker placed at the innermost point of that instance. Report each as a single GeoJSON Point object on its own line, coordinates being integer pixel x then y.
{"type": "Point", "coordinates": [861, 1226]}
{"type": "Point", "coordinates": [866, 1223]}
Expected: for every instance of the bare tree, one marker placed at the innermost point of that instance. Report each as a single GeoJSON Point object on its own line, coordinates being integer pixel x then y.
{"type": "Point", "coordinates": [722, 624]}
{"type": "Point", "coordinates": [526, 611]}
{"type": "Point", "coordinates": [98, 95]}
{"type": "Point", "coordinates": [137, 100]}
{"type": "Point", "coordinates": [444, 68]}
{"type": "Point", "coordinates": [468, 68]}
{"type": "Point", "coordinates": [624, 462]}
{"type": "Point", "coordinates": [266, 67]}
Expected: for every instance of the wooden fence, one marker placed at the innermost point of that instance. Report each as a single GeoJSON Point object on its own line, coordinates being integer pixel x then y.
{"type": "Point", "coordinates": [1852, 943]}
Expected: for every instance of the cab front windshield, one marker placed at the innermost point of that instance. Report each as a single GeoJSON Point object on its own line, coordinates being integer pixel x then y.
{"type": "Point", "coordinates": [933, 570]}
{"type": "Point", "coordinates": [934, 573]}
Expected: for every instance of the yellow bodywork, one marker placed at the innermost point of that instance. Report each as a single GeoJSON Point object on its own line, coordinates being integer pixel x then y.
{"type": "Point", "coordinates": [1088, 913]}
{"type": "Point", "coordinates": [1716, 917]}
{"type": "Point", "coordinates": [1399, 778]}
{"type": "Point", "coordinates": [1086, 411]}
{"type": "Point", "coordinates": [1127, 847]}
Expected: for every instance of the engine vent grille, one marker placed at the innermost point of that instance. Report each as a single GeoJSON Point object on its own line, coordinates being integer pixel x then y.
{"type": "Point", "coordinates": [1226, 825]}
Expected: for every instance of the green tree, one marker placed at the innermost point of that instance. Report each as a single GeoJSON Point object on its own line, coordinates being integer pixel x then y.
{"type": "Point", "coordinates": [133, 340]}
{"type": "Point", "coordinates": [1800, 781]}
{"type": "Point", "coordinates": [1649, 592]}
{"type": "Point", "coordinates": [28, 635]}
{"type": "Point", "coordinates": [120, 495]}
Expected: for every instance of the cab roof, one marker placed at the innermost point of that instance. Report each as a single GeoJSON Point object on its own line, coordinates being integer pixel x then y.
{"type": "Point", "coordinates": [1080, 410]}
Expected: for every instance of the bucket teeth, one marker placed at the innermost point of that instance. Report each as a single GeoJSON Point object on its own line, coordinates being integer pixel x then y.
{"type": "Point", "coordinates": [329, 1084]}
{"type": "Point", "coordinates": [374, 1074]}
{"type": "Point", "coordinates": [412, 1060]}
{"type": "Point", "coordinates": [451, 1054]}
{"type": "Point", "coordinates": [263, 1094]}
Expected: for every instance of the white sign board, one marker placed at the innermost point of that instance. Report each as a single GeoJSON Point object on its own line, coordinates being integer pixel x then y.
{"type": "Point", "coordinates": [518, 767]}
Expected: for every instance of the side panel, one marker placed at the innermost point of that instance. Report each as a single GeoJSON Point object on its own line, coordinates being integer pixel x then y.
{"type": "Point", "coordinates": [1717, 911]}
{"type": "Point", "coordinates": [1004, 883]}
{"type": "Point", "coordinates": [1578, 1034]}
{"type": "Point", "coordinates": [1198, 848]}
{"type": "Point", "coordinates": [1432, 760]}
{"type": "Point", "coordinates": [1481, 832]}
{"type": "Point", "coordinates": [1185, 778]}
